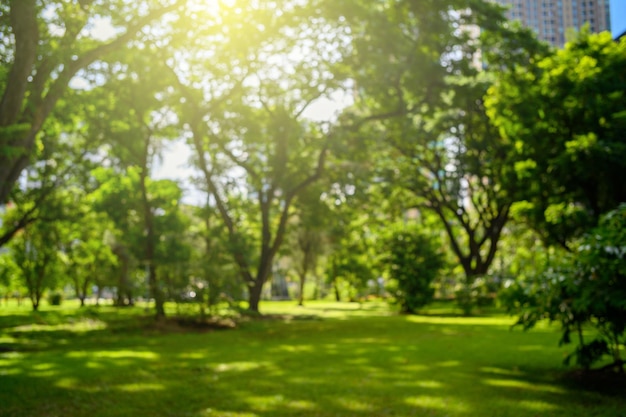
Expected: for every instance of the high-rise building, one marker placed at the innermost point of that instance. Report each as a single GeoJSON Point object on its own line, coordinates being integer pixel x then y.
{"type": "Point", "coordinates": [551, 19]}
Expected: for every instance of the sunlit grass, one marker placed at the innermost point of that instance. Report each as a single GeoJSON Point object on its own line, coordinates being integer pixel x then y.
{"type": "Point", "coordinates": [324, 359]}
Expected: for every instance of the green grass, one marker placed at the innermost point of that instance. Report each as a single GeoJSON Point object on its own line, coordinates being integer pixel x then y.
{"type": "Point", "coordinates": [326, 359]}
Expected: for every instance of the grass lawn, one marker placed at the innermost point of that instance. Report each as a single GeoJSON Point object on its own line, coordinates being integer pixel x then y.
{"type": "Point", "coordinates": [329, 359]}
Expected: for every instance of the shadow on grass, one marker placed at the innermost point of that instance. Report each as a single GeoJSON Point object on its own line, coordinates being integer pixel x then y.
{"type": "Point", "coordinates": [386, 366]}
{"type": "Point", "coordinates": [40, 331]}
{"type": "Point", "coordinates": [604, 382]}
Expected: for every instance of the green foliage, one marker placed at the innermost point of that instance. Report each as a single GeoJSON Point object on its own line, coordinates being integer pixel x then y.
{"type": "Point", "coordinates": [478, 293]}
{"type": "Point", "coordinates": [8, 269]}
{"type": "Point", "coordinates": [55, 40]}
{"type": "Point", "coordinates": [353, 250]}
{"type": "Point", "coordinates": [425, 118]}
{"type": "Point", "coordinates": [413, 262]}
{"type": "Point", "coordinates": [562, 115]}
{"type": "Point", "coordinates": [88, 256]}
{"type": "Point", "coordinates": [55, 298]}
{"type": "Point", "coordinates": [36, 253]}
{"type": "Point", "coordinates": [587, 288]}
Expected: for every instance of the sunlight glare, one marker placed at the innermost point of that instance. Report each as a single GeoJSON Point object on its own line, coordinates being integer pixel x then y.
{"type": "Point", "coordinates": [102, 30]}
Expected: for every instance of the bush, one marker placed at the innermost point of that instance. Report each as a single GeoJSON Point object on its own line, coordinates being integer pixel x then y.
{"type": "Point", "coordinates": [587, 288]}
{"type": "Point", "coordinates": [55, 299]}
{"type": "Point", "coordinates": [413, 262]}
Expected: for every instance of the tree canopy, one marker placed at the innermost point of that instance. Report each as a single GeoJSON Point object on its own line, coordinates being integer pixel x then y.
{"type": "Point", "coordinates": [315, 132]}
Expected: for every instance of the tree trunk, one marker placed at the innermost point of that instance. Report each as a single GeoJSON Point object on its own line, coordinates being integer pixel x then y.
{"type": "Point", "coordinates": [35, 285]}
{"type": "Point", "coordinates": [151, 238]}
{"type": "Point", "coordinates": [84, 288]}
{"type": "Point", "coordinates": [123, 285]}
{"type": "Point", "coordinates": [155, 291]}
{"type": "Point", "coordinates": [464, 299]}
{"type": "Point", "coordinates": [336, 288]}
{"type": "Point", "coordinates": [301, 295]}
{"type": "Point", "coordinates": [320, 288]}
{"type": "Point", "coordinates": [333, 276]}
{"type": "Point", "coordinates": [35, 295]}
{"type": "Point", "coordinates": [254, 295]}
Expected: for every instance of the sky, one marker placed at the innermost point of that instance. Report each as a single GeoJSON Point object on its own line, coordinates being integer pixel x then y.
{"type": "Point", "coordinates": [618, 17]}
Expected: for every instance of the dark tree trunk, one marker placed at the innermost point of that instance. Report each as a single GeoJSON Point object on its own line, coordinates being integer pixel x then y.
{"type": "Point", "coordinates": [301, 295]}
{"type": "Point", "coordinates": [254, 295]}
{"type": "Point", "coordinates": [159, 299]}
{"type": "Point", "coordinates": [333, 276]}
{"type": "Point", "coordinates": [35, 294]}
{"type": "Point", "coordinates": [336, 288]}
{"type": "Point", "coordinates": [150, 243]}
{"type": "Point", "coordinates": [123, 285]}
{"type": "Point", "coordinates": [83, 295]}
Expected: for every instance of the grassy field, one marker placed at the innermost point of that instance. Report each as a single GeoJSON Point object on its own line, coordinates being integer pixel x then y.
{"type": "Point", "coordinates": [327, 359]}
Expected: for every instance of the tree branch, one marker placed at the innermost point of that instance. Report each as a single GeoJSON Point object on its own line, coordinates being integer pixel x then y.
{"type": "Point", "coordinates": [290, 195]}
{"type": "Point", "coordinates": [72, 67]}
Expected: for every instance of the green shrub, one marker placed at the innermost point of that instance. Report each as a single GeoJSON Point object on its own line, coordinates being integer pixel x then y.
{"type": "Point", "coordinates": [412, 262]}
{"type": "Point", "coordinates": [587, 288]}
{"type": "Point", "coordinates": [55, 299]}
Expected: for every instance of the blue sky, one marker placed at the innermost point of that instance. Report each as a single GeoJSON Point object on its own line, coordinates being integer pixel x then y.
{"type": "Point", "coordinates": [618, 16]}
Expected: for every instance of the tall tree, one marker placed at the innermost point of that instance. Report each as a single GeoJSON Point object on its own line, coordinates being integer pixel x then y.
{"type": "Point", "coordinates": [135, 120]}
{"type": "Point", "coordinates": [244, 112]}
{"type": "Point", "coordinates": [36, 250]}
{"type": "Point", "coordinates": [307, 239]}
{"type": "Point", "coordinates": [425, 92]}
{"type": "Point", "coordinates": [565, 117]}
{"type": "Point", "coordinates": [88, 254]}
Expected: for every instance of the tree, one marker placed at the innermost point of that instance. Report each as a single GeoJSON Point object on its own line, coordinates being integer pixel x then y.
{"type": "Point", "coordinates": [122, 197]}
{"type": "Point", "coordinates": [44, 47]}
{"type": "Point", "coordinates": [214, 272]}
{"type": "Point", "coordinates": [255, 150]}
{"type": "Point", "coordinates": [431, 132]}
{"type": "Point", "coordinates": [88, 253]}
{"type": "Point", "coordinates": [450, 164]}
{"type": "Point", "coordinates": [132, 114]}
{"type": "Point", "coordinates": [116, 196]}
{"type": "Point", "coordinates": [36, 225]}
{"type": "Point", "coordinates": [172, 251]}
{"type": "Point", "coordinates": [309, 246]}
{"type": "Point", "coordinates": [352, 258]}
{"type": "Point", "coordinates": [307, 240]}
{"type": "Point", "coordinates": [36, 253]}
{"type": "Point", "coordinates": [564, 118]}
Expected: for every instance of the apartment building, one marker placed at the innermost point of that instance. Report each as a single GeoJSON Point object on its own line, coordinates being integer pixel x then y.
{"type": "Point", "coordinates": [551, 19]}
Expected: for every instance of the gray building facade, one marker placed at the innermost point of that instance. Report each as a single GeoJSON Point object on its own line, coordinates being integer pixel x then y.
{"type": "Point", "coordinates": [551, 19]}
